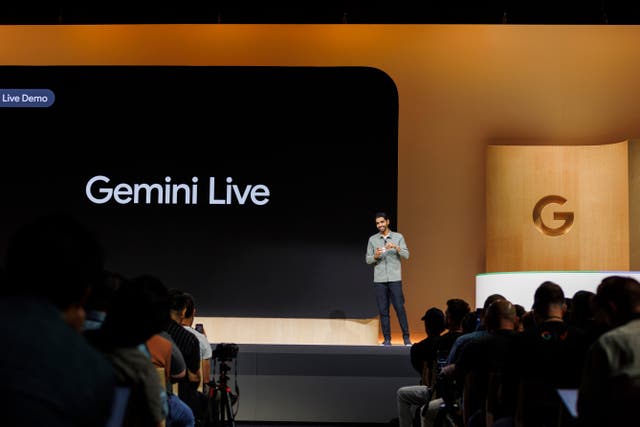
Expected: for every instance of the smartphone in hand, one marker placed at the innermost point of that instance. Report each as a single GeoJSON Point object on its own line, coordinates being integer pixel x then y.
{"type": "Point", "coordinates": [199, 328]}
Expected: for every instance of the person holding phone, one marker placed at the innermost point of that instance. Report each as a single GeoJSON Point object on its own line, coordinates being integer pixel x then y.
{"type": "Point", "coordinates": [385, 250]}
{"type": "Point", "coordinates": [198, 331]}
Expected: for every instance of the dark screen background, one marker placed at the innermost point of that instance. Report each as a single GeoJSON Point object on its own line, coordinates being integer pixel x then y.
{"type": "Point", "coordinates": [324, 140]}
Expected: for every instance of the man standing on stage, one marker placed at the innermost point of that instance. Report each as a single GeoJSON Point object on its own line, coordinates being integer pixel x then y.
{"type": "Point", "coordinates": [385, 251]}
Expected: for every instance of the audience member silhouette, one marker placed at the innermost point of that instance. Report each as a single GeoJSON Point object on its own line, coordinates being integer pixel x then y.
{"type": "Point", "coordinates": [551, 357]}
{"type": "Point", "coordinates": [520, 312]}
{"type": "Point", "coordinates": [610, 387]}
{"type": "Point", "coordinates": [99, 299]}
{"type": "Point", "coordinates": [190, 348]}
{"type": "Point", "coordinates": [471, 322]}
{"type": "Point", "coordinates": [139, 309]}
{"type": "Point", "coordinates": [528, 321]}
{"type": "Point", "coordinates": [410, 398]}
{"type": "Point", "coordinates": [161, 348]}
{"type": "Point", "coordinates": [583, 315]}
{"type": "Point", "coordinates": [205, 346]}
{"type": "Point", "coordinates": [582, 312]}
{"type": "Point", "coordinates": [50, 375]}
{"type": "Point", "coordinates": [457, 310]}
{"type": "Point", "coordinates": [178, 368]}
{"type": "Point", "coordinates": [434, 326]}
{"type": "Point", "coordinates": [493, 354]}
{"type": "Point", "coordinates": [480, 331]}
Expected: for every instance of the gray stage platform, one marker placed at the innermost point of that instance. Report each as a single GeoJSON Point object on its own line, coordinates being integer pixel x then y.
{"type": "Point", "coordinates": [323, 384]}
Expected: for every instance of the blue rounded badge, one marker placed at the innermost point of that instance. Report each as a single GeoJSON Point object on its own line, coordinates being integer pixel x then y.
{"type": "Point", "coordinates": [26, 98]}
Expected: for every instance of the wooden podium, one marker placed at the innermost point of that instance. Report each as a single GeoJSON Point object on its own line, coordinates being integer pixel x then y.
{"type": "Point", "coordinates": [559, 213]}
{"type": "Point", "coordinates": [557, 208]}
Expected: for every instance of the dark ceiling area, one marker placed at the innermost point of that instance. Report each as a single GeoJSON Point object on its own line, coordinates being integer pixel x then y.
{"type": "Point", "coordinates": [546, 12]}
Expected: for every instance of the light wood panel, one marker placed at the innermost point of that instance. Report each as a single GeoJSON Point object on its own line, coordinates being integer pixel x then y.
{"type": "Point", "coordinates": [250, 330]}
{"type": "Point", "coordinates": [594, 182]}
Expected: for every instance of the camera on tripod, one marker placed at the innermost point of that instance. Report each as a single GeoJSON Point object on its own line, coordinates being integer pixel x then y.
{"type": "Point", "coordinates": [220, 412]}
{"type": "Point", "coordinates": [224, 352]}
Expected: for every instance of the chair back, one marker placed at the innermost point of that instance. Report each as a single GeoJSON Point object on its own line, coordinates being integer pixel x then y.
{"type": "Point", "coordinates": [537, 404]}
{"type": "Point", "coordinates": [494, 402]}
{"type": "Point", "coordinates": [162, 374]}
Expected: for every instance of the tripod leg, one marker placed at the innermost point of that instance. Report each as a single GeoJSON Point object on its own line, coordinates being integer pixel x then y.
{"type": "Point", "coordinates": [223, 407]}
{"type": "Point", "coordinates": [228, 409]}
{"type": "Point", "coordinates": [217, 408]}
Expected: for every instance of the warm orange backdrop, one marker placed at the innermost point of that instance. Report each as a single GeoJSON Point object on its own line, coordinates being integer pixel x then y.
{"type": "Point", "coordinates": [461, 88]}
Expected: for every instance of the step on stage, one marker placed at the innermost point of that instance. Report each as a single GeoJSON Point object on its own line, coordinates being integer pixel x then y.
{"type": "Point", "coordinates": [319, 383]}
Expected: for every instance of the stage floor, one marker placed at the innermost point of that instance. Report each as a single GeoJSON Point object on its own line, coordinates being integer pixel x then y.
{"type": "Point", "coordinates": [319, 383]}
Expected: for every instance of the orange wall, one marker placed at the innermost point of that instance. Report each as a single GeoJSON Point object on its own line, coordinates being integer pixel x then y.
{"type": "Point", "coordinates": [634, 205]}
{"type": "Point", "coordinates": [461, 88]}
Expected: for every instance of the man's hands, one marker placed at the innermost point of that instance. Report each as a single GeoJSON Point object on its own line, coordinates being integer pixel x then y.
{"type": "Point", "coordinates": [388, 246]}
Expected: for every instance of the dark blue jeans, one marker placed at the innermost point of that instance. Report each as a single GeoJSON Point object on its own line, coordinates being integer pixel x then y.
{"type": "Point", "coordinates": [180, 415]}
{"type": "Point", "coordinates": [391, 292]}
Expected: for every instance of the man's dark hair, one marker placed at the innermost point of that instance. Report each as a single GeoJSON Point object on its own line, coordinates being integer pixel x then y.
{"type": "Point", "coordinates": [434, 320]}
{"type": "Point", "coordinates": [381, 215]}
{"type": "Point", "coordinates": [102, 293]}
{"type": "Point", "coordinates": [497, 311]}
{"type": "Point", "coordinates": [189, 304]}
{"type": "Point", "coordinates": [528, 321]}
{"type": "Point", "coordinates": [623, 292]}
{"type": "Point", "coordinates": [487, 302]}
{"type": "Point", "coordinates": [139, 310]}
{"type": "Point", "coordinates": [177, 300]}
{"type": "Point", "coordinates": [54, 258]}
{"type": "Point", "coordinates": [470, 322]}
{"type": "Point", "coordinates": [547, 294]}
{"type": "Point", "coordinates": [520, 310]}
{"type": "Point", "coordinates": [457, 309]}
{"type": "Point", "coordinates": [583, 308]}
{"type": "Point", "coordinates": [491, 299]}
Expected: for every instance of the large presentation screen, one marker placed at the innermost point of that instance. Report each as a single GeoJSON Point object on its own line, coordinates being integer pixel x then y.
{"type": "Point", "coordinates": [253, 188]}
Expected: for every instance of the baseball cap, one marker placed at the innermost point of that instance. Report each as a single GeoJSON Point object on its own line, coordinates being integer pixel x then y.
{"type": "Point", "coordinates": [432, 313]}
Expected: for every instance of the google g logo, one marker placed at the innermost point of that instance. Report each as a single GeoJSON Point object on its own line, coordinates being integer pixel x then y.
{"type": "Point", "coordinates": [566, 216]}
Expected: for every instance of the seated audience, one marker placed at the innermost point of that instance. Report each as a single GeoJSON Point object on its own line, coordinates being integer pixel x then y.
{"type": "Point", "coordinates": [410, 398]}
{"type": "Point", "coordinates": [99, 299]}
{"type": "Point", "coordinates": [50, 375]}
{"type": "Point", "coordinates": [551, 356]}
{"type": "Point", "coordinates": [528, 321]}
{"type": "Point", "coordinates": [138, 311]}
{"type": "Point", "coordinates": [205, 346]}
{"type": "Point", "coordinates": [610, 386]}
{"type": "Point", "coordinates": [162, 350]}
{"type": "Point", "coordinates": [189, 346]}
{"type": "Point", "coordinates": [491, 355]}
{"type": "Point", "coordinates": [456, 311]}
{"type": "Point", "coordinates": [520, 312]}
{"type": "Point", "coordinates": [480, 331]}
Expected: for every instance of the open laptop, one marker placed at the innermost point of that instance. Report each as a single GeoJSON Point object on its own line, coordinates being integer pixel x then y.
{"type": "Point", "coordinates": [569, 397]}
